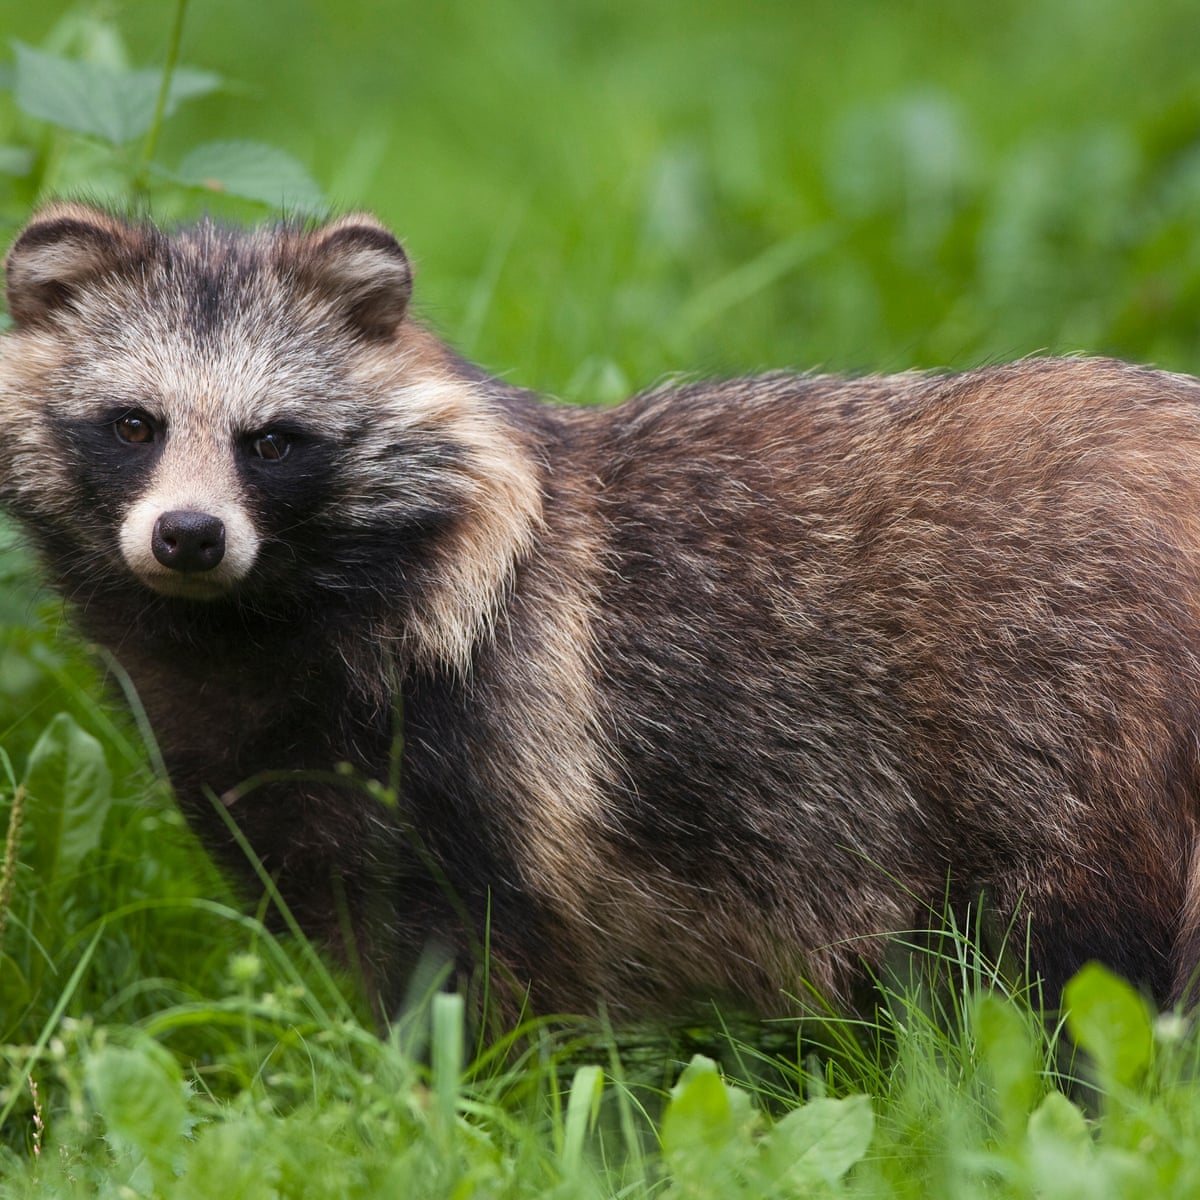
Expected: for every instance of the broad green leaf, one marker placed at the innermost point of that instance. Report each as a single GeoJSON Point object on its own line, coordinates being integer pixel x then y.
{"type": "Point", "coordinates": [141, 1097]}
{"type": "Point", "coordinates": [252, 170]}
{"type": "Point", "coordinates": [1010, 1056]}
{"type": "Point", "coordinates": [701, 1093]}
{"type": "Point", "coordinates": [707, 1130]}
{"type": "Point", "coordinates": [819, 1142]}
{"type": "Point", "coordinates": [1063, 1161]}
{"type": "Point", "coordinates": [69, 793]}
{"type": "Point", "coordinates": [107, 102]}
{"type": "Point", "coordinates": [1111, 1021]}
{"type": "Point", "coordinates": [700, 1115]}
{"type": "Point", "coordinates": [1057, 1120]}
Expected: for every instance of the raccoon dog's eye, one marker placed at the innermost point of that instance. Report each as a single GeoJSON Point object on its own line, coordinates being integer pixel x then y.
{"type": "Point", "coordinates": [135, 428]}
{"type": "Point", "coordinates": [271, 445]}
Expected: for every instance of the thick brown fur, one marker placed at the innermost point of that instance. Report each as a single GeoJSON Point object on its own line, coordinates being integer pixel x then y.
{"type": "Point", "coordinates": [704, 695]}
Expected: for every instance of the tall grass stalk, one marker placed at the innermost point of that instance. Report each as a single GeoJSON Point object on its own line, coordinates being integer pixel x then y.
{"type": "Point", "coordinates": [12, 842]}
{"type": "Point", "coordinates": [141, 178]}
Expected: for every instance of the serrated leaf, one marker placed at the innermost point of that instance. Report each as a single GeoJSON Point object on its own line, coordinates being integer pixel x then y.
{"type": "Point", "coordinates": [1111, 1021]}
{"type": "Point", "coordinates": [820, 1142]}
{"type": "Point", "coordinates": [94, 98]}
{"type": "Point", "coordinates": [69, 794]}
{"type": "Point", "coordinates": [187, 83]}
{"type": "Point", "coordinates": [254, 171]}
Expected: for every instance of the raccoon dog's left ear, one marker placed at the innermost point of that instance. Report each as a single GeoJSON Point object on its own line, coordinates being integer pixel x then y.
{"type": "Point", "coordinates": [359, 266]}
{"type": "Point", "coordinates": [58, 252]}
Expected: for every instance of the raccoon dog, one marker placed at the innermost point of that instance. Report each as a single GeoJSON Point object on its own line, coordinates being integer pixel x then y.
{"type": "Point", "coordinates": [701, 696]}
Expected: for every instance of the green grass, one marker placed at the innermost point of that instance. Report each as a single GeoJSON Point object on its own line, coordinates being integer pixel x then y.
{"type": "Point", "coordinates": [596, 196]}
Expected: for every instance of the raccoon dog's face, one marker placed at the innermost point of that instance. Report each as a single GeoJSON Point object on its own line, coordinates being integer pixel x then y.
{"type": "Point", "coordinates": [197, 412]}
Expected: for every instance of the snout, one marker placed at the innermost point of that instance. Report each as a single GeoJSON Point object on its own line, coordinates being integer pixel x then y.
{"type": "Point", "coordinates": [181, 545]}
{"type": "Point", "coordinates": [185, 540]}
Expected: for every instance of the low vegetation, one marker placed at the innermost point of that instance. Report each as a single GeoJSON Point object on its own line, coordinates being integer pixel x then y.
{"type": "Point", "coordinates": [719, 190]}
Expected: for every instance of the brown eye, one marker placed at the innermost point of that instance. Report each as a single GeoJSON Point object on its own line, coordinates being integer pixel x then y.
{"type": "Point", "coordinates": [135, 428]}
{"type": "Point", "coordinates": [271, 445]}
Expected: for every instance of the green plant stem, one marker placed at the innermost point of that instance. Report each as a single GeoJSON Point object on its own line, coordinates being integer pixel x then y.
{"type": "Point", "coordinates": [142, 175]}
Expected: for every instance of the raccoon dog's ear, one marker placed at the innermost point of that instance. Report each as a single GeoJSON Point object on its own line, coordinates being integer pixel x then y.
{"type": "Point", "coordinates": [62, 248]}
{"type": "Point", "coordinates": [359, 266]}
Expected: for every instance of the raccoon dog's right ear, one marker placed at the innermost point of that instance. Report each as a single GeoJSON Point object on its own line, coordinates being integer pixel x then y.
{"type": "Point", "coordinates": [360, 267]}
{"type": "Point", "coordinates": [63, 247]}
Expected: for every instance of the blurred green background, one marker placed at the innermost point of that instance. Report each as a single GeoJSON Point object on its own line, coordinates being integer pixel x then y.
{"type": "Point", "coordinates": [598, 194]}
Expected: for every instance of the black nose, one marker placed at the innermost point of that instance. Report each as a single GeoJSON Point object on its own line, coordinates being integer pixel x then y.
{"type": "Point", "coordinates": [188, 541]}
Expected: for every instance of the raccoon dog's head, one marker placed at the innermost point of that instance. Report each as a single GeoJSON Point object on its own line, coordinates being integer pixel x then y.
{"type": "Point", "coordinates": [231, 417]}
